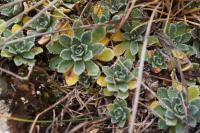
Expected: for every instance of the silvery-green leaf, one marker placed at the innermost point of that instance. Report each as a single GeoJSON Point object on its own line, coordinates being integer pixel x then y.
{"type": "Point", "coordinates": [54, 48]}
{"type": "Point", "coordinates": [123, 87]}
{"type": "Point", "coordinates": [88, 56]}
{"type": "Point", "coordinates": [86, 37]}
{"type": "Point", "coordinates": [54, 62]}
{"type": "Point", "coordinates": [64, 66]}
{"type": "Point", "coordinates": [79, 67]}
{"type": "Point", "coordinates": [66, 54]}
{"type": "Point", "coordinates": [65, 41]}
{"type": "Point", "coordinates": [92, 68]}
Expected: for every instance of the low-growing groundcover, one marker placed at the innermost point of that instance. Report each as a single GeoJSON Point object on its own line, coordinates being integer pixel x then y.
{"type": "Point", "coordinates": [82, 61]}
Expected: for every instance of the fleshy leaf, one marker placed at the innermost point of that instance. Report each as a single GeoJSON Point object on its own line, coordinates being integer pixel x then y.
{"type": "Point", "coordinates": [5, 53]}
{"type": "Point", "coordinates": [193, 92]}
{"type": "Point", "coordinates": [106, 55]}
{"type": "Point", "coordinates": [65, 40]}
{"type": "Point", "coordinates": [132, 84]}
{"type": "Point", "coordinates": [134, 48]}
{"type": "Point", "coordinates": [105, 41]}
{"type": "Point", "coordinates": [64, 66]}
{"type": "Point", "coordinates": [120, 48]}
{"type": "Point", "coordinates": [15, 28]}
{"type": "Point", "coordinates": [3, 25]}
{"type": "Point", "coordinates": [98, 34]}
{"type": "Point", "coordinates": [79, 67]}
{"type": "Point", "coordinates": [54, 62]}
{"type": "Point", "coordinates": [101, 81]}
{"type": "Point", "coordinates": [54, 47]}
{"type": "Point", "coordinates": [86, 37]}
{"type": "Point", "coordinates": [92, 68]}
{"type": "Point", "coordinates": [71, 78]}
{"type": "Point", "coordinates": [118, 36]}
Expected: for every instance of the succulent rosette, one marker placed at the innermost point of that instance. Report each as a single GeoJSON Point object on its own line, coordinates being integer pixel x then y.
{"type": "Point", "coordinates": [76, 53]}
{"type": "Point", "coordinates": [23, 52]}
{"type": "Point", "coordinates": [41, 24]}
{"type": "Point", "coordinates": [118, 112]}
{"type": "Point", "coordinates": [158, 60]}
{"type": "Point", "coordinates": [118, 77]}
{"type": "Point", "coordinates": [171, 111]}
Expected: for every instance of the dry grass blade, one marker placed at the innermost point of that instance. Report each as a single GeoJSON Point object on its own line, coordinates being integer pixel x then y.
{"type": "Point", "coordinates": [140, 73]}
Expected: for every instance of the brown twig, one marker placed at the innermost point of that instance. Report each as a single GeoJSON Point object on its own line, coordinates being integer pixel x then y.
{"type": "Point", "coordinates": [47, 109]}
{"type": "Point", "coordinates": [17, 76]}
{"type": "Point", "coordinates": [126, 14]}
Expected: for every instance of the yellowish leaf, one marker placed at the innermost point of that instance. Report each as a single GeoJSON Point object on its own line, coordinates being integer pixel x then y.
{"type": "Point", "coordinates": [60, 13]}
{"type": "Point", "coordinates": [150, 53]}
{"type": "Point", "coordinates": [178, 54]}
{"type": "Point", "coordinates": [177, 85]}
{"type": "Point", "coordinates": [98, 10]}
{"type": "Point", "coordinates": [132, 84]}
{"type": "Point", "coordinates": [15, 28]}
{"type": "Point", "coordinates": [187, 67]}
{"type": "Point", "coordinates": [65, 26]}
{"type": "Point", "coordinates": [106, 55]}
{"type": "Point", "coordinates": [101, 81]}
{"type": "Point", "coordinates": [26, 19]}
{"type": "Point", "coordinates": [118, 36]}
{"type": "Point", "coordinates": [105, 41]}
{"type": "Point", "coordinates": [121, 48]}
{"type": "Point", "coordinates": [71, 78]}
{"type": "Point", "coordinates": [154, 104]}
{"type": "Point", "coordinates": [193, 92]}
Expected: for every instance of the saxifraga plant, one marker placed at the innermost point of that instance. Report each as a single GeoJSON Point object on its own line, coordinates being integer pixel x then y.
{"type": "Point", "coordinates": [13, 10]}
{"type": "Point", "coordinates": [41, 24]}
{"type": "Point", "coordinates": [23, 52]}
{"type": "Point", "coordinates": [171, 111]}
{"type": "Point", "coordinates": [76, 53]}
{"type": "Point", "coordinates": [118, 112]}
{"type": "Point", "coordinates": [181, 34]}
{"type": "Point", "coordinates": [157, 60]}
{"type": "Point", "coordinates": [118, 77]}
